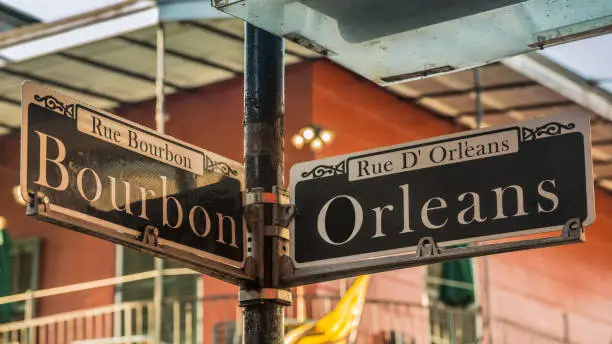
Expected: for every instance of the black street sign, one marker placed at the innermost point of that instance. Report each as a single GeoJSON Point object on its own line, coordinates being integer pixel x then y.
{"type": "Point", "coordinates": [528, 177]}
{"type": "Point", "coordinates": [103, 175]}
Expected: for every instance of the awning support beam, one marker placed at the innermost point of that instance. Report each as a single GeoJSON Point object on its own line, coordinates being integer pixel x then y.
{"type": "Point", "coordinates": [530, 107]}
{"type": "Point", "coordinates": [490, 88]}
{"type": "Point", "coordinates": [175, 53]}
{"type": "Point", "coordinates": [61, 84]}
{"type": "Point", "coordinates": [118, 70]}
{"type": "Point", "coordinates": [234, 37]}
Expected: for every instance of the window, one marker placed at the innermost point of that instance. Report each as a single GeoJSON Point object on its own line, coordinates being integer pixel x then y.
{"type": "Point", "coordinates": [25, 258]}
{"type": "Point", "coordinates": [174, 287]}
{"type": "Point", "coordinates": [134, 261]}
{"type": "Point", "coordinates": [452, 316]}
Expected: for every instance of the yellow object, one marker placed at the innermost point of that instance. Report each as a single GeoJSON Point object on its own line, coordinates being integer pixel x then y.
{"type": "Point", "coordinates": [337, 325]}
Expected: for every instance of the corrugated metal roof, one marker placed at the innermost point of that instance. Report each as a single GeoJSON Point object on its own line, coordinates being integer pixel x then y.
{"type": "Point", "coordinates": [121, 70]}
{"type": "Point", "coordinates": [507, 97]}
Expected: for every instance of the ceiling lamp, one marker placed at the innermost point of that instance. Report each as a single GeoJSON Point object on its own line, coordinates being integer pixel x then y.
{"type": "Point", "coordinates": [314, 136]}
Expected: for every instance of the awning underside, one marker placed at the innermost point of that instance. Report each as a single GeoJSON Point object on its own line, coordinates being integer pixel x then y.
{"type": "Point", "coordinates": [121, 70]}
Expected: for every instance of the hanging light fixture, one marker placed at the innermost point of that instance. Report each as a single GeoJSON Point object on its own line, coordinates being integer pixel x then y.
{"type": "Point", "coordinates": [327, 136]}
{"type": "Point", "coordinates": [314, 136]}
{"type": "Point", "coordinates": [308, 133]}
{"type": "Point", "coordinates": [298, 141]}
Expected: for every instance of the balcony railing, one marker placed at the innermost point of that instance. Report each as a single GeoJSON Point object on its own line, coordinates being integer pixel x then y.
{"type": "Point", "coordinates": [382, 322]}
{"type": "Point", "coordinates": [216, 320]}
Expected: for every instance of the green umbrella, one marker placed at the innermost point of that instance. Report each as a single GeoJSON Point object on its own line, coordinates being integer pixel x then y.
{"type": "Point", "coordinates": [6, 309]}
{"type": "Point", "coordinates": [457, 271]}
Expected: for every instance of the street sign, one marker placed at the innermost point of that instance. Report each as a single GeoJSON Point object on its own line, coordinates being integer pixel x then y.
{"type": "Point", "coordinates": [524, 178]}
{"type": "Point", "coordinates": [97, 173]}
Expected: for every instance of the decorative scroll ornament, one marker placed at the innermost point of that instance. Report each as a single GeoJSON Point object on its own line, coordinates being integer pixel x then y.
{"type": "Point", "coordinates": [325, 171]}
{"type": "Point", "coordinates": [219, 166]}
{"type": "Point", "coordinates": [549, 129]}
{"type": "Point", "coordinates": [53, 104]}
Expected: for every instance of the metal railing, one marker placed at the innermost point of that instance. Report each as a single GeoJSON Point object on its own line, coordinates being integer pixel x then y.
{"type": "Point", "coordinates": [509, 332]}
{"type": "Point", "coordinates": [216, 320]}
{"type": "Point", "coordinates": [396, 322]}
{"type": "Point", "coordinates": [383, 322]}
{"type": "Point", "coordinates": [79, 326]}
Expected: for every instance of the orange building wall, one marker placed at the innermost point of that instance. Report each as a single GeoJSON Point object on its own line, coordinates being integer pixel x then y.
{"type": "Point", "coordinates": [66, 257]}
{"type": "Point", "coordinates": [211, 118]}
{"type": "Point", "coordinates": [363, 116]}
{"type": "Point", "coordinates": [538, 287]}
{"type": "Point", "coordinates": [533, 287]}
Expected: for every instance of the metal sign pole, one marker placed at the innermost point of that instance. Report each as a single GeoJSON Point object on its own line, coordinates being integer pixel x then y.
{"type": "Point", "coordinates": [262, 301]}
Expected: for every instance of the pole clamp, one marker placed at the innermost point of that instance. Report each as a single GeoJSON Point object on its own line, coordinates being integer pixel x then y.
{"type": "Point", "coordinates": [282, 214]}
{"type": "Point", "coordinates": [284, 211]}
{"type": "Point", "coordinates": [249, 296]}
{"type": "Point", "coordinates": [267, 215]}
{"type": "Point", "coordinates": [259, 196]}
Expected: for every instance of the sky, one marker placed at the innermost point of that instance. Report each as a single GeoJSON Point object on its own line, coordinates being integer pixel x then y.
{"type": "Point", "coordinates": [590, 57]}
{"type": "Point", "coordinates": [51, 10]}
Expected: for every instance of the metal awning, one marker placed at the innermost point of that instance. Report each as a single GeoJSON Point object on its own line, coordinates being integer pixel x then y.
{"type": "Point", "coordinates": [109, 70]}
{"type": "Point", "coordinates": [399, 40]}
{"type": "Point", "coordinates": [120, 70]}
{"type": "Point", "coordinates": [508, 96]}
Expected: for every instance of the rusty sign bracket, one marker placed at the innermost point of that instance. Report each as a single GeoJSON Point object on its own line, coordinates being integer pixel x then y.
{"type": "Point", "coordinates": [283, 213]}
